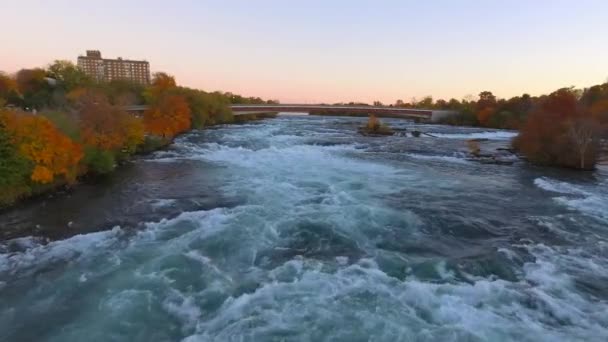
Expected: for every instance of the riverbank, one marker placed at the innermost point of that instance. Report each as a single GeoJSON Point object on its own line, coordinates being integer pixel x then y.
{"type": "Point", "coordinates": [150, 145]}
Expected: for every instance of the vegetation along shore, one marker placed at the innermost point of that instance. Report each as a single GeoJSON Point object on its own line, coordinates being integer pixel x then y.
{"type": "Point", "coordinates": [58, 126]}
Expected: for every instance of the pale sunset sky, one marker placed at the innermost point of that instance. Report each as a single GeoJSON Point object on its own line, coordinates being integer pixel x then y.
{"type": "Point", "coordinates": [326, 51]}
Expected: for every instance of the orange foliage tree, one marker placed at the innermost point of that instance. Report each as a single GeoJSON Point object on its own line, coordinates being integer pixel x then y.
{"type": "Point", "coordinates": [52, 153]}
{"type": "Point", "coordinates": [169, 116]}
{"type": "Point", "coordinates": [561, 132]}
{"type": "Point", "coordinates": [486, 106]}
{"type": "Point", "coordinates": [104, 126]}
{"type": "Point", "coordinates": [484, 115]}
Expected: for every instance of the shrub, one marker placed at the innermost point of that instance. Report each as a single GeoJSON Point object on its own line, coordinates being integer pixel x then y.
{"type": "Point", "coordinates": [473, 146]}
{"type": "Point", "coordinates": [99, 161]}
{"type": "Point", "coordinates": [375, 127]}
{"type": "Point", "coordinates": [153, 143]}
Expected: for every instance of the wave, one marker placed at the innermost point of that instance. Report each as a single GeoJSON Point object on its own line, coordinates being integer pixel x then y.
{"type": "Point", "coordinates": [491, 135]}
{"type": "Point", "coordinates": [451, 159]}
{"type": "Point", "coordinates": [589, 202]}
{"type": "Point", "coordinates": [361, 299]}
{"type": "Point", "coordinates": [36, 254]}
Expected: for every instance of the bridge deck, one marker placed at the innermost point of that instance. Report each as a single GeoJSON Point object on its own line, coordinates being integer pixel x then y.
{"type": "Point", "coordinates": [426, 114]}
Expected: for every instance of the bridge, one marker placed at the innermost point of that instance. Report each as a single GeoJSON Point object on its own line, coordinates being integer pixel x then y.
{"type": "Point", "coordinates": [380, 111]}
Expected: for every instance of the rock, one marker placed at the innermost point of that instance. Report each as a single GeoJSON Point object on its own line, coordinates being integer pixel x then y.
{"type": "Point", "coordinates": [510, 150]}
{"type": "Point", "coordinates": [375, 133]}
{"type": "Point", "coordinates": [490, 160]}
{"type": "Point", "coordinates": [416, 134]}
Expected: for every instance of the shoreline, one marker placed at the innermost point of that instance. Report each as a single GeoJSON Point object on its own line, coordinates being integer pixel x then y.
{"type": "Point", "coordinates": [63, 188]}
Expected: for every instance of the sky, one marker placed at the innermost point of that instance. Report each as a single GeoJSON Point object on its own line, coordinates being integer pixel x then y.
{"type": "Point", "coordinates": [326, 51]}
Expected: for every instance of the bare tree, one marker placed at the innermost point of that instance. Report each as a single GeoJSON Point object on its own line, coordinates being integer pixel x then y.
{"type": "Point", "coordinates": [584, 135]}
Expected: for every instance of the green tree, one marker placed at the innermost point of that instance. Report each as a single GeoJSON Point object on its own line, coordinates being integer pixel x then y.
{"type": "Point", "coordinates": [35, 88]}
{"type": "Point", "coordinates": [99, 161]}
{"type": "Point", "coordinates": [15, 169]}
{"type": "Point", "coordinates": [68, 75]}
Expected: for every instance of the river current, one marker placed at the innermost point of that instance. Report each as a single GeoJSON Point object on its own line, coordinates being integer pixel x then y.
{"type": "Point", "coordinates": [299, 229]}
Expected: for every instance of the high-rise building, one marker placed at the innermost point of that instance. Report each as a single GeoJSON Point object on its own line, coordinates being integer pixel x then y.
{"type": "Point", "coordinates": [107, 70]}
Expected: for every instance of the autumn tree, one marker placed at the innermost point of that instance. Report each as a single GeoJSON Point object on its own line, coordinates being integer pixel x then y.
{"type": "Point", "coordinates": [98, 122]}
{"type": "Point", "coordinates": [560, 132]}
{"type": "Point", "coordinates": [124, 92]}
{"type": "Point", "coordinates": [52, 153]}
{"type": "Point", "coordinates": [486, 105]}
{"type": "Point", "coordinates": [161, 84]}
{"type": "Point", "coordinates": [104, 126]}
{"type": "Point", "coordinates": [170, 115]}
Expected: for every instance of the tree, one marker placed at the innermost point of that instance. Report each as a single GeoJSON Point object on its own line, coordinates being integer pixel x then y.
{"type": "Point", "coordinates": [124, 92]}
{"type": "Point", "coordinates": [484, 114]}
{"type": "Point", "coordinates": [561, 132]}
{"type": "Point", "coordinates": [51, 153]}
{"type": "Point", "coordinates": [68, 75]}
{"type": "Point", "coordinates": [104, 126]}
{"type": "Point", "coordinates": [486, 99]}
{"type": "Point", "coordinates": [14, 168]}
{"type": "Point", "coordinates": [169, 116]}
{"type": "Point", "coordinates": [8, 88]}
{"type": "Point", "coordinates": [599, 112]}
{"type": "Point", "coordinates": [425, 103]}
{"type": "Point", "coordinates": [34, 87]}
{"type": "Point", "coordinates": [161, 84]}
{"type": "Point", "coordinates": [133, 130]}
{"type": "Point", "coordinates": [583, 133]}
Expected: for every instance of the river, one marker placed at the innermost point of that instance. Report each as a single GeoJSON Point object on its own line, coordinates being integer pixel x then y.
{"type": "Point", "coordinates": [299, 229]}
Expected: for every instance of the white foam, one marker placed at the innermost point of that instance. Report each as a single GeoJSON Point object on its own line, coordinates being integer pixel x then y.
{"type": "Point", "coordinates": [41, 255]}
{"type": "Point", "coordinates": [162, 203]}
{"type": "Point", "coordinates": [450, 159]}
{"type": "Point", "coordinates": [361, 297]}
{"type": "Point", "coordinates": [490, 135]}
{"type": "Point", "coordinates": [591, 200]}
{"type": "Point", "coordinates": [183, 308]}
{"type": "Point", "coordinates": [560, 187]}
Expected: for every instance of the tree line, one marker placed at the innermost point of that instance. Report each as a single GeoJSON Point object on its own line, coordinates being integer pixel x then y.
{"type": "Point", "coordinates": [57, 124]}
{"type": "Point", "coordinates": [565, 128]}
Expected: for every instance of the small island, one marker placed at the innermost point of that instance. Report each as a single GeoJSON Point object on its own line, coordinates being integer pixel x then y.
{"type": "Point", "coordinates": [375, 127]}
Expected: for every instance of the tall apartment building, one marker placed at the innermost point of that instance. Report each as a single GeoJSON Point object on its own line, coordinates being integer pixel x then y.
{"type": "Point", "coordinates": [107, 70]}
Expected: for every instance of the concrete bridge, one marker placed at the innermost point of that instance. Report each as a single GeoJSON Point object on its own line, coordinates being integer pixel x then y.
{"type": "Point", "coordinates": [380, 111]}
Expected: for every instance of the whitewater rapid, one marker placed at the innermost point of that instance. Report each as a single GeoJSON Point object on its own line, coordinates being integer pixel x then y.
{"type": "Point", "coordinates": [318, 234]}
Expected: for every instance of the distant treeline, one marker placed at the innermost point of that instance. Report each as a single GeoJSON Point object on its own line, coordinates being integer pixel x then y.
{"type": "Point", "coordinates": [564, 128]}
{"type": "Point", "coordinates": [57, 124]}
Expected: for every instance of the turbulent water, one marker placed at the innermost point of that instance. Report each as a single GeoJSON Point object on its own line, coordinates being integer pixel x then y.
{"type": "Point", "coordinates": [298, 229]}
